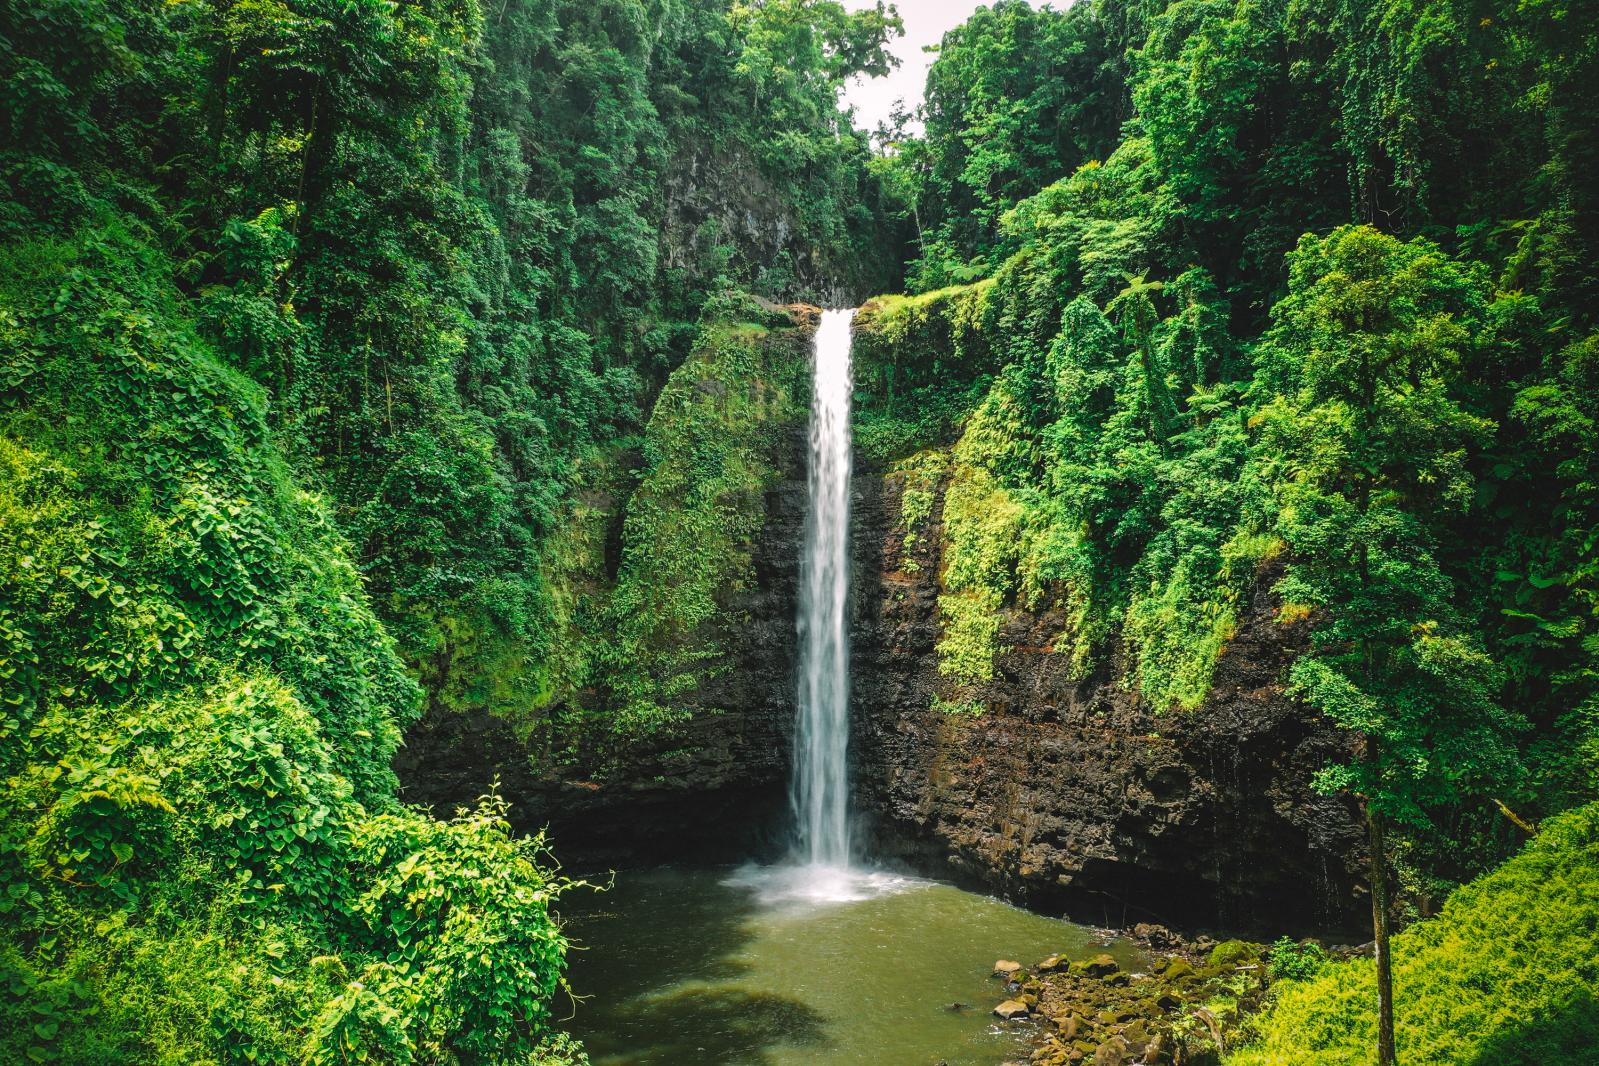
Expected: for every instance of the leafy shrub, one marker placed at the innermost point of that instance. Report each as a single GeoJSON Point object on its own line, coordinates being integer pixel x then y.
{"type": "Point", "coordinates": [922, 363]}
{"type": "Point", "coordinates": [1294, 961]}
{"type": "Point", "coordinates": [200, 852]}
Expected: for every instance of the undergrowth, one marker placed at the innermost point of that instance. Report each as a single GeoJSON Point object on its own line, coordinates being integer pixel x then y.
{"type": "Point", "coordinates": [1506, 975]}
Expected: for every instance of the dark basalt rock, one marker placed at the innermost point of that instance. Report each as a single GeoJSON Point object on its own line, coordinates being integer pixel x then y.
{"type": "Point", "coordinates": [1075, 794]}
{"type": "Point", "coordinates": [715, 197]}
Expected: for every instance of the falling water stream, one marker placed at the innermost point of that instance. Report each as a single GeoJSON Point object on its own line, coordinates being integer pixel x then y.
{"type": "Point", "coordinates": [823, 959]}
{"type": "Point", "coordinates": [821, 730]}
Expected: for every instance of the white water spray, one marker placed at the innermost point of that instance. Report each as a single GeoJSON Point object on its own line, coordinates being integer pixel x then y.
{"type": "Point", "coordinates": [821, 734]}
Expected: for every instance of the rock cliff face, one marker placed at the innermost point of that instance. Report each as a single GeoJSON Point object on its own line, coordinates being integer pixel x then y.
{"type": "Point", "coordinates": [1074, 793]}
{"type": "Point", "coordinates": [712, 197]}
{"type": "Point", "coordinates": [1064, 793]}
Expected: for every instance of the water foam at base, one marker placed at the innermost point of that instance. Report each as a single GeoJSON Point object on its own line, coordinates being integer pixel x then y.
{"type": "Point", "coordinates": [820, 884]}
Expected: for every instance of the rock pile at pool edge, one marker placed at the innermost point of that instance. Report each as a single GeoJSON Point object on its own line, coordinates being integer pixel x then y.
{"type": "Point", "coordinates": [1093, 1012]}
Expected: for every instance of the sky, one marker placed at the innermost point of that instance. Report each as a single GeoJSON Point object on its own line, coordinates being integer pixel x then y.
{"type": "Point", "coordinates": [925, 23]}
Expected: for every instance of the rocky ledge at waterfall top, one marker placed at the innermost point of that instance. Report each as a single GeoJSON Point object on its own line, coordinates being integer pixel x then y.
{"type": "Point", "coordinates": [1075, 794]}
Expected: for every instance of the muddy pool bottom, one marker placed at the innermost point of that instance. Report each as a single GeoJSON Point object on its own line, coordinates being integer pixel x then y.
{"type": "Point", "coordinates": [789, 965]}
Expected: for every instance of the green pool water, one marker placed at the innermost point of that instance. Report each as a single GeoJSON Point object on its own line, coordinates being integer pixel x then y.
{"type": "Point", "coordinates": [799, 966]}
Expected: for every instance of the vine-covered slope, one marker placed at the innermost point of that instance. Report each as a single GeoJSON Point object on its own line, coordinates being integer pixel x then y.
{"type": "Point", "coordinates": [1326, 305]}
{"type": "Point", "coordinates": [313, 320]}
{"type": "Point", "coordinates": [372, 363]}
{"type": "Point", "coordinates": [202, 857]}
{"type": "Point", "coordinates": [674, 580]}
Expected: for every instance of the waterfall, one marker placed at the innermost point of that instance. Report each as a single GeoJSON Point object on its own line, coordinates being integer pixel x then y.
{"type": "Point", "coordinates": [821, 870]}
{"type": "Point", "coordinates": [821, 731]}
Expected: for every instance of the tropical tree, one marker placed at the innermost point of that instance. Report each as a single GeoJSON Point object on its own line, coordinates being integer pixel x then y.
{"type": "Point", "coordinates": [1369, 447]}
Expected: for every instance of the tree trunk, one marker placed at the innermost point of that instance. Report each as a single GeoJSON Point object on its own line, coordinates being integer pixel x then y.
{"type": "Point", "coordinates": [1380, 931]}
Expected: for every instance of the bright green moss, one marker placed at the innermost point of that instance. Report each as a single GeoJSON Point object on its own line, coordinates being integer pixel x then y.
{"type": "Point", "coordinates": [710, 455]}
{"type": "Point", "coordinates": [1506, 975]}
{"type": "Point", "coordinates": [982, 540]}
{"type": "Point", "coordinates": [201, 856]}
{"type": "Point", "coordinates": [920, 478]}
{"type": "Point", "coordinates": [1177, 629]}
{"type": "Point", "coordinates": [922, 363]}
{"type": "Point", "coordinates": [956, 708]}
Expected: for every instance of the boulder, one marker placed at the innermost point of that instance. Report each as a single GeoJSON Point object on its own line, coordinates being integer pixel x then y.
{"type": "Point", "coordinates": [1156, 936]}
{"type": "Point", "coordinates": [1233, 953]}
{"type": "Point", "coordinates": [1100, 966]}
{"type": "Point", "coordinates": [1011, 1009]}
{"type": "Point", "coordinates": [1177, 969]}
{"type": "Point", "coordinates": [1113, 1052]}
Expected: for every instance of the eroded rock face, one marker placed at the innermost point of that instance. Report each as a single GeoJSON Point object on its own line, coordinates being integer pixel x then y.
{"type": "Point", "coordinates": [1065, 793]}
{"type": "Point", "coordinates": [1074, 793]}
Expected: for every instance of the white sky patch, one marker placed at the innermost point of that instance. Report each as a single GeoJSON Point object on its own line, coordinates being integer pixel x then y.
{"type": "Point", "coordinates": [925, 24]}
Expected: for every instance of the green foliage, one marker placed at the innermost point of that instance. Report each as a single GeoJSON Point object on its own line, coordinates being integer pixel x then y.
{"type": "Point", "coordinates": [921, 364]}
{"type": "Point", "coordinates": [1293, 961]}
{"type": "Point", "coordinates": [453, 250]}
{"type": "Point", "coordinates": [1504, 974]}
{"type": "Point", "coordinates": [1361, 354]}
{"type": "Point", "coordinates": [1017, 97]}
{"type": "Point", "coordinates": [1078, 480]}
{"type": "Point", "coordinates": [956, 708]}
{"type": "Point", "coordinates": [983, 537]}
{"type": "Point", "coordinates": [154, 533]}
{"type": "Point", "coordinates": [920, 478]}
{"type": "Point", "coordinates": [458, 914]}
{"type": "Point", "coordinates": [656, 551]}
{"type": "Point", "coordinates": [201, 859]}
{"type": "Point", "coordinates": [692, 522]}
{"type": "Point", "coordinates": [1154, 397]}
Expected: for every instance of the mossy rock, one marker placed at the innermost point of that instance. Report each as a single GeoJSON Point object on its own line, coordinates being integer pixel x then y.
{"type": "Point", "coordinates": [1233, 953]}
{"type": "Point", "coordinates": [1177, 969]}
{"type": "Point", "coordinates": [1100, 966]}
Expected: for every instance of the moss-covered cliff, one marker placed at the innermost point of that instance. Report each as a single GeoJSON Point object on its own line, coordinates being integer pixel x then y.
{"type": "Point", "coordinates": [674, 577]}
{"type": "Point", "coordinates": [1069, 789]}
